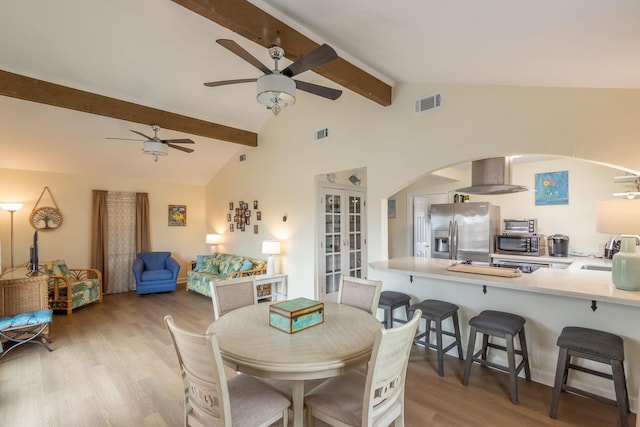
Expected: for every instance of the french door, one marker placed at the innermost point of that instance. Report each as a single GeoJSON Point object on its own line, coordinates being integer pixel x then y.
{"type": "Point", "coordinates": [342, 239]}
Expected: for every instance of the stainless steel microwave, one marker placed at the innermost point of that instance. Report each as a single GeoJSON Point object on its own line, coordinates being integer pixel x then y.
{"type": "Point", "coordinates": [520, 245]}
{"type": "Point", "coordinates": [520, 226]}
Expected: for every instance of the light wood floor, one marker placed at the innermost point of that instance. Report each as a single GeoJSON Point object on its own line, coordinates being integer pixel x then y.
{"type": "Point", "coordinates": [114, 365]}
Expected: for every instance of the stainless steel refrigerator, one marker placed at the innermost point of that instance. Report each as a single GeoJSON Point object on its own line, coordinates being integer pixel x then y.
{"type": "Point", "coordinates": [464, 231]}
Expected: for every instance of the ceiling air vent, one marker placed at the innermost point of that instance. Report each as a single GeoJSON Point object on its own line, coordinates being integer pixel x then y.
{"type": "Point", "coordinates": [427, 103]}
{"type": "Point", "coordinates": [321, 134]}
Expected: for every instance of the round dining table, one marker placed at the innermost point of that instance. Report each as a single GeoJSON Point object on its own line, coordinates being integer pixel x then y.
{"type": "Point", "coordinates": [250, 345]}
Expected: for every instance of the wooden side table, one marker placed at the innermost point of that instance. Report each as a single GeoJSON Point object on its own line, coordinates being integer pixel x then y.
{"type": "Point", "coordinates": [278, 282]}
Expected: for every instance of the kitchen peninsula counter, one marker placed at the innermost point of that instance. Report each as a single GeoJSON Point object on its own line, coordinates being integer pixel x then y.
{"type": "Point", "coordinates": [573, 281]}
{"type": "Point", "coordinates": [549, 299]}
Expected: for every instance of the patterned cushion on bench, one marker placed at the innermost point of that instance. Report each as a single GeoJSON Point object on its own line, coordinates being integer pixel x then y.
{"type": "Point", "coordinates": [21, 320]}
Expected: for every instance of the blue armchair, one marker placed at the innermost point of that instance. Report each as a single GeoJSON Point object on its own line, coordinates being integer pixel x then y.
{"type": "Point", "coordinates": [155, 272]}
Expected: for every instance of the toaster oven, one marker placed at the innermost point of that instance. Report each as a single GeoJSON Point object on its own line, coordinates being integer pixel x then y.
{"type": "Point", "coordinates": [520, 245]}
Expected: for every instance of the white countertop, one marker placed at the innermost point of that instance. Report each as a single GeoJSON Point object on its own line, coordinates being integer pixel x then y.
{"type": "Point", "coordinates": [571, 282]}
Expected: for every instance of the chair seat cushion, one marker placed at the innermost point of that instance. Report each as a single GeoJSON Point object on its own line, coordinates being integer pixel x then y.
{"type": "Point", "coordinates": [591, 341]}
{"type": "Point", "coordinates": [253, 401]}
{"type": "Point", "coordinates": [332, 396]}
{"type": "Point", "coordinates": [434, 309]}
{"type": "Point", "coordinates": [26, 319]}
{"type": "Point", "coordinates": [152, 275]}
{"type": "Point", "coordinates": [498, 322]}
{"type": "Point", "coordinates": [392, 298]}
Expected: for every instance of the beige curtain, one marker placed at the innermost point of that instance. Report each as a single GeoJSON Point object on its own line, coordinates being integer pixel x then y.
{"type": "Point", "coordinates": [143, 231]}
{"type": "Point", "coordinates": [120, 229]}
{"type": "Point", "coordinates": [122, 240]}
{"type": "Point", "coordinates": [100, 236]}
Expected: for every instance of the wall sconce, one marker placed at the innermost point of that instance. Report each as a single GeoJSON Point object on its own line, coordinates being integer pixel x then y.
{"type": "Point", "coordinates": [214, 240]}
{"type": "Point", "coordinates": [11, 208]}
{"type": "Point", "coordinates": [271, 247]}
{"type": "Point", "coordinates": [622, 217]}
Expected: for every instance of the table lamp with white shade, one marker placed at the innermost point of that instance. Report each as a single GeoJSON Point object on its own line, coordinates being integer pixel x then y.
{"type": "Point", "coordinates": [214, 240]}
{"type": "Point", "coordinates": [622, 217]}
{"type": "Point", "coordinates": [271, 248]}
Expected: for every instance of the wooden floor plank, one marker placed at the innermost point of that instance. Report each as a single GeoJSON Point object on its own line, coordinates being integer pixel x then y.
{"type": "Point", "coordinates": [113, 365]}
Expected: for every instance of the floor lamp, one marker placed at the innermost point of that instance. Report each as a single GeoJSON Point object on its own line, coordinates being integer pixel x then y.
{"type": "Point", "coordinates": [11, 208]}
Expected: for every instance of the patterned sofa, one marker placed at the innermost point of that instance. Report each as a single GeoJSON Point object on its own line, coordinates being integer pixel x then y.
{"type": "Point", "coordinates": [221, 267]}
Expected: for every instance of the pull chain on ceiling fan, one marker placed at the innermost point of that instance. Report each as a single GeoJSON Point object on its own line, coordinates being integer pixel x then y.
{"type": "Point", "coordinates": [276, 89]}
{"type": "Point", "coordinates": [159, 147]}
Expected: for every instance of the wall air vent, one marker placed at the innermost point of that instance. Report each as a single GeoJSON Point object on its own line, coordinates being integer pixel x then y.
{"type": "Point", "coordinates": [242, 157]}
{"type": "Point", "coordinates": [321, 134]}
{"type": "Point", "coordinates": [427, 103]}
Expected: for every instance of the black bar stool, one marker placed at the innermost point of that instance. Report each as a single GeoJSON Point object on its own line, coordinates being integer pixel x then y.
{"type": "Point", "coordinates": [505, 326]}
{"type": "Point", "coordinates": [598, 346]}
{"type": "Point", "coordinates": [389, 301]}
{"type": "Point", "coordinates": [437, 311]}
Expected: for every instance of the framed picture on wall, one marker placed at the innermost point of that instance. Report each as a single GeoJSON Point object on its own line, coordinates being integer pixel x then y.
{"type": "Point", "coordinates": [177, 215]}
{"type": "Point", "coordinates": [552, 188]}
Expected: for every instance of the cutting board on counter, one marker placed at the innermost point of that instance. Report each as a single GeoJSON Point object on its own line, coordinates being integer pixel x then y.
{"type": "Point", "coordinates": [486, 270]}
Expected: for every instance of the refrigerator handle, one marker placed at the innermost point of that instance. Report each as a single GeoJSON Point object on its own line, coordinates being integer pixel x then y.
{"type": "Point", "coordinates": [454, 253]}
{"type": "Point", "coordinates": [452, 244]}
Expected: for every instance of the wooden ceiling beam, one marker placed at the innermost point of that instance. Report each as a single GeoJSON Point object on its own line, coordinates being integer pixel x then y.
{"type": "Point", "coordinates": [256, 25]}
{"type": "Point", "coordinates": [30, 89]}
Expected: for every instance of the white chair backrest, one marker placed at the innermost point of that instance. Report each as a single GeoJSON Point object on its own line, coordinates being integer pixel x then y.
{"type": "Point", "coordinates": [227, 295]}
{"type": "Point", "coordinates": [360, 293]}
{"type": "Point", "coordinates": [205, 385]}
{"type": "Point", "coordinates": [384, 391]}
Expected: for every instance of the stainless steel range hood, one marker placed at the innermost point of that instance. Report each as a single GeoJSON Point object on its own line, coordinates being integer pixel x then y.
{"type": "Point", "coordinates": [492, 176]}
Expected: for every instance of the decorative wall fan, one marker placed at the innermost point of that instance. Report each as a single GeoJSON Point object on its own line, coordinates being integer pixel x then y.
{"type": "Point", "coordinates": [155, 146]}
{"type": "Point", "coordinates": [276, 89]}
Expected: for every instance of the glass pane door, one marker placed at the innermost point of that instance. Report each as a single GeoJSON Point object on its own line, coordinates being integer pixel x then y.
{"type": "Point", "coordinates": [332, 241]}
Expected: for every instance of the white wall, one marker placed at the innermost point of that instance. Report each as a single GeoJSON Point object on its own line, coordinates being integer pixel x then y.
{"type": "Point", "coordinates": [397, 148]}
{"type": "Point", "coordinates": [72, 194]}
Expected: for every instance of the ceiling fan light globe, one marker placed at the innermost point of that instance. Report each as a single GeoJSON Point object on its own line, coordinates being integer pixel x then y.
{"type": "Point", "coordinates": [155, 148]}
{"type": "Point", "coordinates": [276, 90]}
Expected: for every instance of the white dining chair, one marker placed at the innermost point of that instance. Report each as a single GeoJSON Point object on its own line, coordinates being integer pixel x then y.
{"type": "Point", "coordinates": [360, 293]}
{"type": "Point", "coordinates": [211, 399]}
{"type": "Point", "coordinates": [227, 295]}
{"type": "Point", "coordinates": [374, 399]}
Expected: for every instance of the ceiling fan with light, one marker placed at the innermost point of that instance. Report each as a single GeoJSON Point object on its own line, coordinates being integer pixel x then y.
{"type": "Point", "coordinates": [155, 146]}
{"type": "Point", "coordinates": [276, 89]}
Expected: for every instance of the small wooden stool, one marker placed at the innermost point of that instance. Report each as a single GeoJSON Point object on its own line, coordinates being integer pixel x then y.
{"type": "Point", "coordinates": [437, 311]}
{"type": "Point", "coordinates": [594, 345]}
{"type": "Point", "coordinates": [505, 326]}
{"type": "Point", "coordinates": [391, 300]}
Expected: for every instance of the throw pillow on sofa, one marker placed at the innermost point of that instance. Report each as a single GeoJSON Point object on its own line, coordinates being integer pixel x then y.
{"type": "Point", "coordinates": [210, 265]}
{"type": "Point", "coordinates": [230, 264]}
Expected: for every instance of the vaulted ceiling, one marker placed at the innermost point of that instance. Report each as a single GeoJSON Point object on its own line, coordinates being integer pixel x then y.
{"type": "Point", "coordinates": [137, 62]}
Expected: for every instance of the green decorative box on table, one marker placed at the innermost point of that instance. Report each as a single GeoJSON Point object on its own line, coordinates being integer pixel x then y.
{"type": "Point", "coordinates": [296, 315]}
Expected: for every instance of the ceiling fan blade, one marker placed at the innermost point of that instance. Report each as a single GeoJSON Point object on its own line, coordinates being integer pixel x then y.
{"type": "Point", "coordinates": [229, 82]}
{"type": "Point", "coordinates": [238, 50]}
{"type": "Point", "coordinates": [325, 92]}
{"type": "Point", "coordinates": [178, 141]}
{"type": "Point", "coordinates": [125, 139]}
{"type": "Point", "coordinates": [181, 148]}
{"type": "Point", "coordinates": [142, 134]}
{"type": "Point", "coordinates": [313, 59]}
